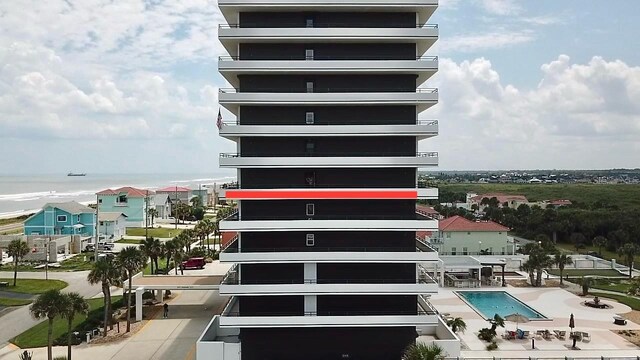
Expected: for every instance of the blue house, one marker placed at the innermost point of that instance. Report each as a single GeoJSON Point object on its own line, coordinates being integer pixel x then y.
{"type": "Point", "coordinates": [69, 218]}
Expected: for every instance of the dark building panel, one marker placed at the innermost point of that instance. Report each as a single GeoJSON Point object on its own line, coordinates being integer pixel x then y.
{"type": "Point", "coordinates": [271, 305]}
{"type": "Point", "coordinates": [402, 241]}
{"type": "Point", "coordinates": [345, 305]}
{"type": "Point", "coordinates": [328, 146]}
{"type": "Point", "coordinates": [328, 178]}
{"type": "Point", "coordinates": [327, 209]}
{"type": "Point", "coordinates": [322, 51]}
{"type": "Point", "coordinates": [327, 83]}
{"type": "Point", "coordinates": [272, 273]}
{"type": "Point", "coordinates": [327, 19]}
{"type": "Point", "coordinates": [326, 343]}
{"type": "Point", "coordinates": [327, 115]}
{"type": "Point", "coordinates": [366, 273]}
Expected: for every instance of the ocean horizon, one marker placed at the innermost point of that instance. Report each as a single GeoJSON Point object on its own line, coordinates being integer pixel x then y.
{"type": "Point", "coordinates": [20, 194]}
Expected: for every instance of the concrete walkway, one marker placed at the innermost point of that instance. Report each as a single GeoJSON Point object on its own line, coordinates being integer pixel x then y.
{"type": "Point", "coordinates": [17, 321]}
{"type": "Point", "coordinates": [173, 338]}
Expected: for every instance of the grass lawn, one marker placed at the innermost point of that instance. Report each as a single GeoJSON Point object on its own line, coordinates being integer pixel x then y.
{"type": "Point", "coordinates": [14, 220]}
{"type": "Point", "coordinates": [617, 287]}
{"type": "Point", "coordinates": [585, 272]}
{"type": "Point", "coordinates": [33, 286]}
{"type": "Point", "coordinates": [37, 335]}
{"type": "Point", "coordinates": [13, 302]}
{"type": "Point", "coordinates": [626, 196]}
{"type": "Point", "coordinates": [13, 232]}
{"type": "Point", "coordinates": [162, 262]}
{"type": "Point", "coordinates": [154, 232]}
{"type": "Point", "coordinates": [76, 263]}
{"type": "Point", "coordinates": [624, 299]}
{"type": "Point", "coordinates": [130, 241]}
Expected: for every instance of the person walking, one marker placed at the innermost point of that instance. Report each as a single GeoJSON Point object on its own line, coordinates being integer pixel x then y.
{"type": "Point", "coordinates": [166, 310]}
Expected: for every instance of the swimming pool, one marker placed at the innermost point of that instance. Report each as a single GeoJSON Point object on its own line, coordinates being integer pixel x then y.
{"type": "Point", "coordinates": [489, 303]}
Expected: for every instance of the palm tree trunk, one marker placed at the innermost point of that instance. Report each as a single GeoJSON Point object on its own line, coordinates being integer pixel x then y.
{"type": "Point", "coordinates": [105, 293]}
{"type": "Point", "coordinates": [561, 271]}
{"type": "Point", "coordinates": [155, 259]}
{"type": "Point", "coordinates": [151, 265]}
{"type": "Point", "coordinates": [15, 270]}
{"type": "Point", "coordinates": [166, 270]}
{"type": "Point", "coordinates": [69, 337]}
{"type": "Point", "coordinates": [630, 269]}
{"type": "Point", "coordinates": [129, 304]}
{"type": "Point", "coordinates": [110, 307]}
{"type": "Point", "coordinates": [50, 340]}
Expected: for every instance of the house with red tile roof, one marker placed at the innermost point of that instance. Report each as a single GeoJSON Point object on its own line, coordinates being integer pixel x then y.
{"type": "Point", "coordinates": [179, 193]}
{"type": "Point", "coordinates": [130, 201]}
{"type": "Point", "coordinates": [460, 236]}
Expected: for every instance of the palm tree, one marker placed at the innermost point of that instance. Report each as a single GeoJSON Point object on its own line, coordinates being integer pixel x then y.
{"type": "Point", "coordinates": [131, 260]}
{"type": "Point", "coordinates": [106, 273]}
{"type": "Point", "coordinates": [152, 249]}
{"type": "Point", "coordinates": [457, 324]}
{"type": "Point", "coordinates": [561, 260]}
{"type": "Point", "coordinates": [153, 213]}
{"type": "Point", "coordinates": [51, 304]}
{"type": "Point", "coordinates": [17, 249]}
{"type": "Point", "coordinates": [169, 249]}
{"type": "Point", "coordinates": [422, 351]}
{"type": "Point", "coordinates": [75, 304]}
{"type": "Point", "coordinates": [586, 282]}
{"type": "Point", "coordinates": [629, 251]}
{"type": "Point", "coordinates": [529, 269]}
{"type": "Point", "coordinates": [600, 241]}
{"type": "Point", "coordinates": [634, 290]}
{"type": "Point", "coordinates": [495, 322]}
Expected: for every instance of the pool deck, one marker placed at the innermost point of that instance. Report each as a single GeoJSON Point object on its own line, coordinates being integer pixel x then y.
{"type": "Point", "coordinates": [557, 305]}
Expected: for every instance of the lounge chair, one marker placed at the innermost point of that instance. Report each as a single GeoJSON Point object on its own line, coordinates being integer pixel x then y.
{"type": "Point", "coordinates": [586, 337]}
{"type": "Point", "coordinates": [546, 334]}
{"type": "Point", "coordinates": [524, 334]}
{"type": "Point", "coordinates": [576, 334]}
{"type": "Point", "coordinates": [560, 334]}
{"type": "Point", "coordinates": [509, 335]}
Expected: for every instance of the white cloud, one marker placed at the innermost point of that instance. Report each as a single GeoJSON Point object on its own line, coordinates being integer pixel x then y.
{"type": "Point", "coordinates": [579, 116]}
{"type": "Point", "coordinates": [501, 7]}
{"type": "Point", "coordinates": [477, 42]}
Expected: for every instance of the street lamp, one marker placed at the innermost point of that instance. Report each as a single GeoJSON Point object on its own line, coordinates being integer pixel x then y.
{"type": "Point", "coordinates": [479, 247]}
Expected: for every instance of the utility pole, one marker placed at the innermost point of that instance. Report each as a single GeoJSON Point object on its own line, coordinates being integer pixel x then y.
{"type": "Point", "coordinates": [175, 212]}
{"type": "Point", "coordinates": [146, 216]}
{"type": "Point", "coordinates": [95, 246]}
{"type": "Point", "coordinates": [46, 260]}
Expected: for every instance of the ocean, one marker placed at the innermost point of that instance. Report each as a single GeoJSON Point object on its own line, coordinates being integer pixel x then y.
{"type": "Point", "coordinates": [26, 193]}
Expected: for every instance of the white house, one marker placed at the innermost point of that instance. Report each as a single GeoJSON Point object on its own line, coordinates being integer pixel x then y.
{"type": "Point", "coordinates": [112, 225]}
{"type": "Point", "coordinates": [459, 236]}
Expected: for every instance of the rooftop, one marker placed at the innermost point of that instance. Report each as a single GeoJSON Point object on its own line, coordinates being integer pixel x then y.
{"type": "Point", "coordinates": [71, 207]}
{"type": "Point", "coordinates": [175, 189]}
{"type": "Point", "coordinates": [130, 191]}
{"type": "Point", "coordinates": [110, 216]}
{"type": "Point", "coordinates": [458, 223]}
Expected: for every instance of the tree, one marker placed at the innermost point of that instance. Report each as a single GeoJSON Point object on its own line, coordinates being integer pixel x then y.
{"type": "Point", "coordinates": [169, 250]}
{"type": "Point", "coordinates": [577, 239]}
{"type": "Point", "coordinates": [495, 322]}
{"type": "Point", "coordinates": [561, 260]}
{"type": "Point", "coordinates": [457, 324]}
{"type": "Point", "coordinates": [151, 248]}
{"type": "Point", "coordinates": [131, 260]}
{"type": "Point", "coordinates": [106, 273]}
{"type": "Point", "coordinates": [75, 304]}
{"type": "Point", "coordinates": [600, 241]}
{"type": "Point", "coordinates": [206, 228]}
{"type": "Point", "coordinates": [153, 213]}
{"type": "Point", "coordinates": [537, 262]}
{"type": "Point", "coordinates": [17, 249]}
{"type": "Point", "coordinates": [628, 252]}
{"type": "Point", "coordinates": [196, 202]}
{"type": "Point", "coordinates": [586, 282]}
{"type": "Point", "coordinates": [634, 290]}
{"type": "Point", "coordinates": [529, 269]}
{"type": "Point", "coordinates": [49, 305]}
{"type": "Point", "coordinates": [421, 351]}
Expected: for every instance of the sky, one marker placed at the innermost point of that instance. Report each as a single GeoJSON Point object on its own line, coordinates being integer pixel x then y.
{"type": "Point", "coordinates": [131, 86]}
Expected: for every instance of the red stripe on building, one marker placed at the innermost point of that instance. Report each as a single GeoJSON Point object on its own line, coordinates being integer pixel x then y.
{"type": "Point", "coordinates": [320, 194]}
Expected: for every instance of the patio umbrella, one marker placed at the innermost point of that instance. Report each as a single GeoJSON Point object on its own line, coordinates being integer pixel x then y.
{"type": "Point", "coordinates": [572, 323]}
{"type": "Point", "coordinates": [517, 318]}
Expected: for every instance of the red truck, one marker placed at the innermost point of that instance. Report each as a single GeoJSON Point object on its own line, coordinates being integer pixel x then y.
{"type": "Point", "coordinates": [194, 263]}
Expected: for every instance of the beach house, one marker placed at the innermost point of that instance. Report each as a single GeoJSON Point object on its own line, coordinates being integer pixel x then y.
{"type": "Point", "coordinates": [459, 236]}
{"type": "Point", "coordinates": [132, 202]}
{"type": "Point", "coordinates": [68, 218]}
{"type": "Point", "coordinates": [176, 193]}
{"type": "Point", "coordinates": [112, 225]}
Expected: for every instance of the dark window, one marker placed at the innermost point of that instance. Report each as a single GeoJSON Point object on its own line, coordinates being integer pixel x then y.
{"type": "Point", "coordinates": [310, 178]}
{"type": "Point", "coordinates": [308, 21]}
{"type": "Point", "coordinates": [310, 147]}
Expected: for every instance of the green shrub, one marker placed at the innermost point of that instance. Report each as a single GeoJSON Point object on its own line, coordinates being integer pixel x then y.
{"type": "Point", "coordinates": [486, 334]}
{"type": "Point", "coordinates": [492, 346]}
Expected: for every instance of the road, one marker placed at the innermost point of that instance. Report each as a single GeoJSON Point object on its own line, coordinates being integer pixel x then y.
{"type": "Point", "coordinates": [19, 320]}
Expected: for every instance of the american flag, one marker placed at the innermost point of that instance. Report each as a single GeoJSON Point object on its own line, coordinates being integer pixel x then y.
{"type": "Point", "coordinates": [219, 122]}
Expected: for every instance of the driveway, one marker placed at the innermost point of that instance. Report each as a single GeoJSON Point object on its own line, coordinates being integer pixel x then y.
{"type": "Point", "coordinates": [17, 321]}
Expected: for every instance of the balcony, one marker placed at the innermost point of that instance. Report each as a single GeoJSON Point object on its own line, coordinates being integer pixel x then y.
{"type": "Point", "coordinates": [423, 284]}
{"type": "Point", "coordinates": [424, 67]}
{"type": "Point", "coordinates": [422, 252]}
{"type": "Point", "coordinates": [421, 98]}
{"type": "Point", "coordinates": [424, 36]}
{"type": "Point", "coordinates": [421, 159]}
{"type": "Point", "coordinates": [231, 8]}
{"type": "Point", "coordinates": [421, 130]}
{"type": "Point", "coordinates": [423, 315]}
{"type": "Point", "coordinates": [337, 223]}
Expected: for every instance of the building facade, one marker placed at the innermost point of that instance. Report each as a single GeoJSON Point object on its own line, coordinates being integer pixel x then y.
{"type": "Point", "coordinates": [69, 218]}
{"type": "Point", "coordinates": [326, 97]}
{"type": "Point", "coordinates": [128, 200]}
{"type": "Point", "coordinates": [459, 236]}
{"type": "Point", "coordinates": [113, 225]}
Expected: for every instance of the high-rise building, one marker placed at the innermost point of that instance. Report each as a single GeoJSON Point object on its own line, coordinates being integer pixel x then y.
{"type": "Point", "coordinates": [327, 96]}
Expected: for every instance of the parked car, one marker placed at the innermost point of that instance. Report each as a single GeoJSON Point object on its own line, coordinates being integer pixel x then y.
{"type": "Point", "coordinates": [194, 263]}
{"type": "Point", "coordinates": [101, 246]}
